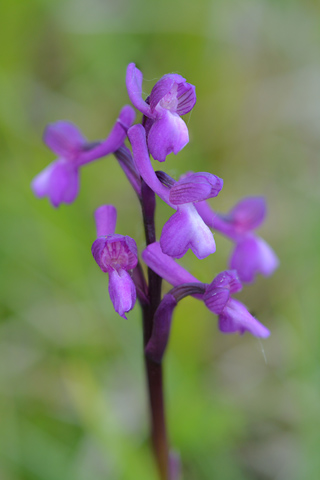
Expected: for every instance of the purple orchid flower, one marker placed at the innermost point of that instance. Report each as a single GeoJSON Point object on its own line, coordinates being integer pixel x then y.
{"type": "Point", "coordinates": [251, 255]}
{"type": "Point", "coordinates": [171, 97]}
{"type": "Point", "coordinates": [185, 229]}
{"type": "Point", "coordinates": [116, 255]}
{"type": "Point", "coordinates": [233, 316]}
{"type": "Point", "coordinates": [60, 180]}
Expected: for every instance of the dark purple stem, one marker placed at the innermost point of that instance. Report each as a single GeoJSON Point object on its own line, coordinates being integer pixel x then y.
{"type": "Point", "coordinates": [154, 370]}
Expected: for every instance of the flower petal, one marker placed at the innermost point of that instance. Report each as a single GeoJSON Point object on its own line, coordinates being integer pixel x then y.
{"type": "Point", "coordinates": [236, 318]}
{"type": "Point", "coordinates": [134, 86]}
{"type": "Point", "coordinates": [227, 279]}
{"type": "Point", "coordinates": [106, 219]}
{"type": "Point", "coordinates": [249, 213]}
{"type": "Point", "coordinates": [216, 299]}
{"type": "Point", "coordinates": [186, 95]}
{"type": "Point", "coordinates": [63, 185]}
{"type": "Point", "coordinates": [195, 187]}
{"type": "Point", "coordinates": [161, 88]}
{"type": "Point", "coordinates": [137, 137]}
{"type": "Point", "coordinates": [184, 230]}
{"type": "Point", "coordinates": [64, 138]}
{"type": "Point", "coordinates": [115, 252]}
{"type": "Point", "coordinates": [168, 134]}
{"type": "Point", "coordinates": [165, 266]}
{"type": "Point", "coordinates": [252, 256]}
{"type": "Point", "coordinates": [122, 292]}
{"type": "Point", "coordinates": [40, 184]}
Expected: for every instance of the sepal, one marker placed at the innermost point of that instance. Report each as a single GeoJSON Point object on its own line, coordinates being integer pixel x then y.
{"type": "Point", "coordinates": [195, 187]}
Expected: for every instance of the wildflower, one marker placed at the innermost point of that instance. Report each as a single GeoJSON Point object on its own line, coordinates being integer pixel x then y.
{"type": "Point", "coordinates": [116, 255]}
{"type": "Point", "coordinates": [171, 97]}
{"type": "Point", "coordinates": [233, 316]}
{"type": "Point", "coordinates": [60, 180]}
{"type": "Point", "coordinates": [185, 229]}
{"type": "Point", "coordinates": [251, 254]}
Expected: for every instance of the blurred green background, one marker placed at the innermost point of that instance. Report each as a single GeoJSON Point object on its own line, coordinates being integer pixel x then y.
{"type": "Point", "coordinates": [72, 391]}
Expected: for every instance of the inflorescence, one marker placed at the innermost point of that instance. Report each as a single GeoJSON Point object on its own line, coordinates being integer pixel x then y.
{"type": "Point", "coordinates": [161, 132]}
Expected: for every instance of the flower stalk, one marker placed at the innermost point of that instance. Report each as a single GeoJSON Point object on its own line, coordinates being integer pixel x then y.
{"type": "Point", "coordinates": [154, 370]}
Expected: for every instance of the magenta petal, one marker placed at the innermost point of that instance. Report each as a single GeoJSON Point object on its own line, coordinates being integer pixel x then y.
{"type": "Point", "coordinates": [59, 181]}
{"type": "Point", "coordinates": [161, 88]}
{"type": "Point", "coordinates": [165, 266]}
{"type": "Point", "coordinates": [216, 299]}
{"type": "Point", "coordinates": [64, 138]}
{"type": "Point", "coordinates": [134, 86]}
{"type": "Point", "coordinates": [227, 279]}
{"type": "Point", "coordinates": [137, 137]}
{"type": "Point", "coordinates": [195, 187]}
{"type": "Point", "coordinates": [236, 318]}
{"type": "Point", "coordinates": [106, 219]}
{"type": "Point", "coordinates": [249, 213]}
{"type": "Point", "coordinates": [40, 184]}
{"type": "Point", "coordinates": [168, 134]}
{"type": "Point", "coordinates": [186, 95]}
{"type": "Point", "coordinates": [63, 185]}
{"type": "Point", "coordinates": [126, 116]}
{"type": "Point", "coordinates": [122, 292]}
{"type": "Point", "coordinates": [115, 252]}
{"type": "Point", "coordinates": [252, 256]}
{"type": "Point", "coordinates": [161, 329]}
{"type": "Point", "coordinates": [184, 230]}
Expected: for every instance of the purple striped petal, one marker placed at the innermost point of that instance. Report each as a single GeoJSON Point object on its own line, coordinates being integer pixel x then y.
{"type": "Point", "coordinates": [161, 89]}
{"type": "Point", "coordinates": [115, 252]}
{"type": "Point", "coordinates": [106, 219]}
{"type": "Point", "coordinates": [195, 187]}
{"type": "Point", "coordinates": [186, 98]}
{"type": "Point", "coordinates": [227, 279]}
{"type": "Point", "coordinates": [216, 299]}
{"type": "Point", "coordinates": [184, 230]}
{"type": "Point", "coordinates": [122, 292]}
{"type": "Point", "coordinates": [64, 138]}
{"type": "Point", "coordinates": [236, 318]}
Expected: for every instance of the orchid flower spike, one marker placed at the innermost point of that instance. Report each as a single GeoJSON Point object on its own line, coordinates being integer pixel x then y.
{"type": "Point", "coordinates": [251, 254]}
{"type": "Point", "coordinates": [60, 180]}
{"type": "Point", "coordinates": [170, 98]}
{"type": "Point", "coordinates": [116, 255]}
{"type": "Point", "coordinates": [185, 229]}
{"type": "Point", "coordinates": [233, 316]}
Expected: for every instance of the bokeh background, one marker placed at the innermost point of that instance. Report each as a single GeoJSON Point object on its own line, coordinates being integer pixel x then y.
{"type": "Point", "coordinates": [72, 389]}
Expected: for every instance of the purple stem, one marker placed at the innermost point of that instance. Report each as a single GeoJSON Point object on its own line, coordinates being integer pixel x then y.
{"type": "Point", "coordinates": [154, 370]}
